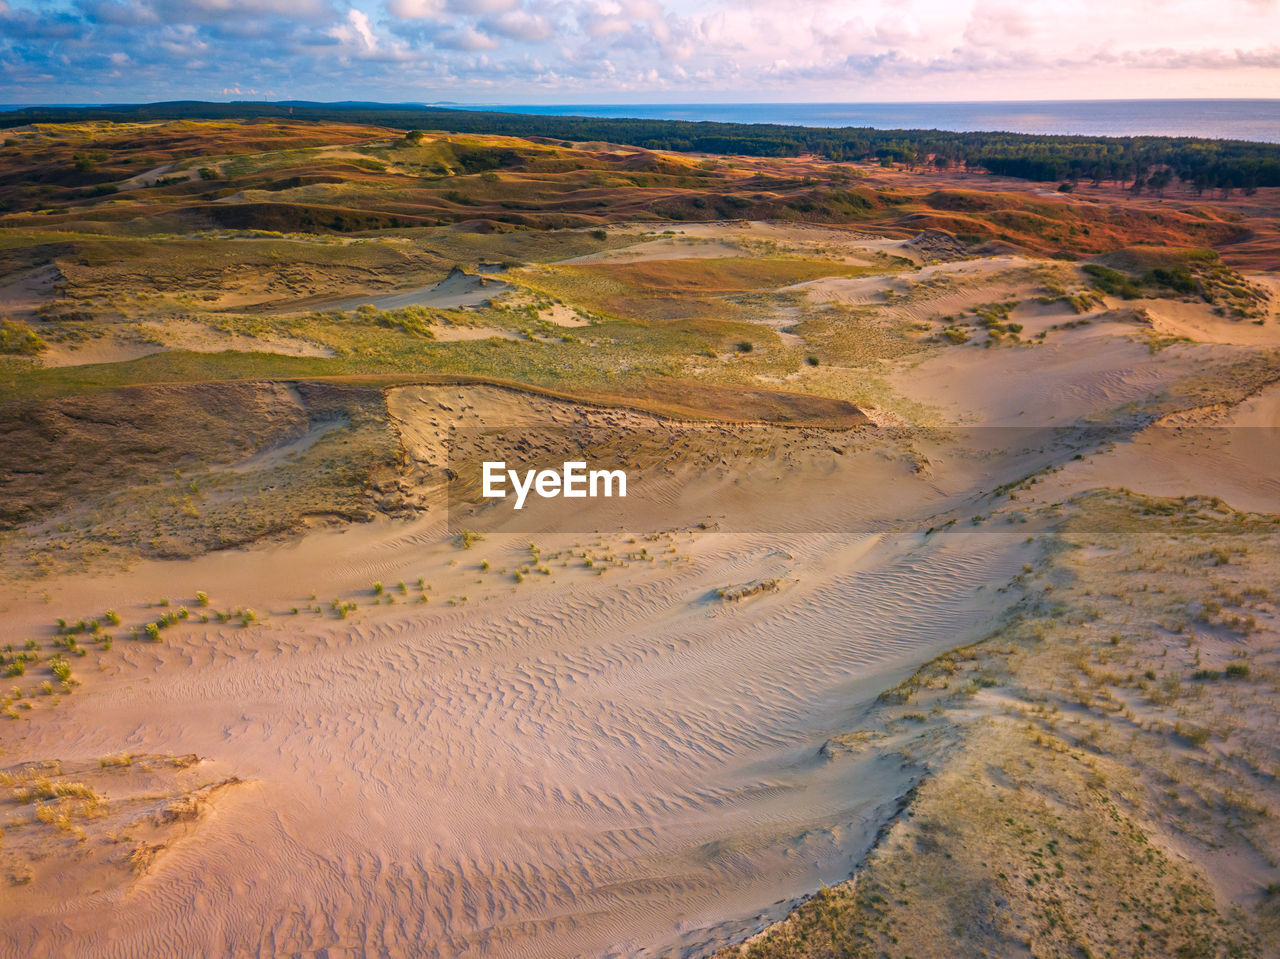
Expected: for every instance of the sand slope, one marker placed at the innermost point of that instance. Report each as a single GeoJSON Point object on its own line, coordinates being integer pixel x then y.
{"type": "Point", "coordinates": [585, 763]}
{"type": "Point", "coordinates": [537, 755]}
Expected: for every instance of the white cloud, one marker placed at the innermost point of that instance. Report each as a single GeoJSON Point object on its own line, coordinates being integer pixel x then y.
{"type": "Point", "coordinates": [483, 6]}
{"type": "Point", "coordinates": [519, 25]}
{"type": "Point", "coordinates": [416, 9]}
{"type": "Point", "coordinates": [738, 49]}
{"type": "Point", "coordinates": [464, 38]}
{"type": "Point", "coordinates": [993, 25]}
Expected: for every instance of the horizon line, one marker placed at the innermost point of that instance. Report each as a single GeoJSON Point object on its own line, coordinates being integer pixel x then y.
{"type": "Point", "coordinates": [637, 103]}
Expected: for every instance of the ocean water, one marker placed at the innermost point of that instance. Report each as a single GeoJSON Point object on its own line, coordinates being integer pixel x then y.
{"type": "Point", "coordinates": [1216, 119]}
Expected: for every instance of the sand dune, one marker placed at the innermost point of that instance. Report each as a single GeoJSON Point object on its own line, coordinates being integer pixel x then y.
{"type": "Point", "coordinates": [605, 755]}
{"type": "Point", "coordinates": [588, 762]}
{"type": "Point", "coordinates": [1072, 376]}
{"type": "Point", "coordinates": [457, 289]}
{"type": "Point", "coordinates": [579, 764]}
{"type": "Point", "coordinates": [1231, 453]}
{"type": "Point", "coordinates": [1193, 321]}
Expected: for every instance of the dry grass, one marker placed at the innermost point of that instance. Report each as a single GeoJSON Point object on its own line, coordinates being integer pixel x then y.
{"type": "Point", "coordinates": [1091, 768]}
{"type": "Point", "coordinates": [89, 826]}
{"type": "Point", "coordinates": [194, 454]}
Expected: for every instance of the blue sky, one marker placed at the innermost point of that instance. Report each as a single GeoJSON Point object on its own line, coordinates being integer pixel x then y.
{"type": "Point", "coordinates": [598, 51]}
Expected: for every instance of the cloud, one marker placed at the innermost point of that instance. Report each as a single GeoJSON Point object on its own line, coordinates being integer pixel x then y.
{"type": "Point", "coordinates": [131, 13]}
{"type": "Point", "coordinates": [464, 38]}
{"type": "Point", "coordinates": [359, 23]}
{"type": "Point", "coordinates": [604, 18]}
{"type": "Point", "coordinates": [519, 25]}
{"type": "Point", "coordinates": [895, 32]}
{"type": "Point", "coordinates": [416, 9]}
{"type": "Point", "coordinates": [1266, 58]}
{"type": "Point", "coordinates": [29, 25]}
{"type": "Point", "coordinates": [204, 10]}
{"type": "Point", "coordinates": [483, 6]}
{"type": "Point", "coordinates": [594, 49]}
{"type": "Point", "coordinates": [992, 25]}
{"type": "Point", "coordinates": [183, 41]}
{"type": "Point", "coordinates": [448, 9]}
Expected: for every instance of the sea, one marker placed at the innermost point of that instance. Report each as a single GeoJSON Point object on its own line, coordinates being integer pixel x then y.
{"type": "Point", "coordinates": [1257, 120]}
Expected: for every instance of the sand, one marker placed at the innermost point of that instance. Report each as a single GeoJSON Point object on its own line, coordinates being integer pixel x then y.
{"type": "Point", "coordinates": [667, 241]}
{"type": "Point", "coordinates": [576, 764]}
{"type": "Point", "coordinates": [458, 289]}
{"type": "Point", "coordinates": [138, 340]}
{"type": "Point", "coordinates": [588, 762]}
{"type": "Point", "coordinates": [610, 759]}
{"type": "Point", "coordinates": [21, 297]}
{"type": "Point", "coordinates": [1192, 321]}
{"type": "Point", "coordinates": [1233, 454]}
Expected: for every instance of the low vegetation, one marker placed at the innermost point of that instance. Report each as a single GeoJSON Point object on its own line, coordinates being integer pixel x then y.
{"type": "Point", "coordinates": [19, 339]}
{"type": "Point", "coordinates": [119, 813]}
{"type": "Point", "coordinates": [1089, 768]}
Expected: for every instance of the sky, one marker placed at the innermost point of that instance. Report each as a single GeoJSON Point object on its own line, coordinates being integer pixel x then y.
{"type": "Point", "coordinates": [635, 51]}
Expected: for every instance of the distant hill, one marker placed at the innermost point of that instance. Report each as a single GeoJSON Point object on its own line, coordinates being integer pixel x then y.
{"type": "Point", "coordinates": [1205, 164]}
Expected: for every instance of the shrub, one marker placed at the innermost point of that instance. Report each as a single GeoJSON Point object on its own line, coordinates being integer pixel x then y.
{"type": "Point", "coordinates": [1195, 735]}
{"type": "Point", "coordinates": [1237, 670]}
{"type": "Point", "coordinates": [202, 598]}
{"type": "Point", "coordinates": [468, 538]}
{"type": "Point", "coordinates": [1178, 279]}
{"type": "Point", "coordinates": [1219, 556]}
{"type": "Point", "coordinates": [1113, 282]}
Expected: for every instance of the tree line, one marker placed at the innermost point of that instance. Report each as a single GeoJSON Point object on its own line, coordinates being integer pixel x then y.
{"type": "Point", "coordinates": [1145, 162]}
